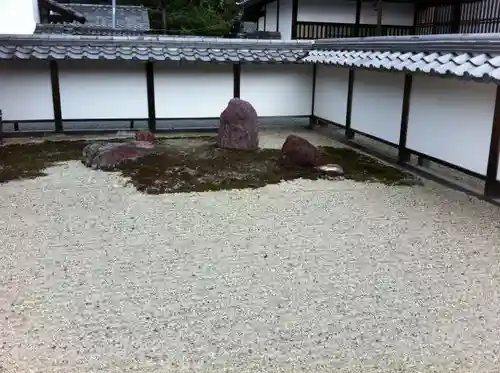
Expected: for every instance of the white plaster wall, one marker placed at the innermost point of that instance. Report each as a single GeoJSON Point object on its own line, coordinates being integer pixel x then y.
{"type": "Point", "coordinates": [18, 16]}
{"type": "Point", "coordinates": [377, 102]}
{"type": "Point", "coordinates": [341, 11]}
{"type": "Point", "coordinates": [330, 100]}
{"type": "Point", "coordinates": [451, 120]}
{"type": "Point", "coordinates": [285, 19]}
{"type": "Point", "coordinates": [192, 90]}
{"type": "Point", "coordinates": [102, 90]}
{"type": "Point", "coordinates": [278, 90]}
{"type": "Point", "coordinates": [271, 14]}
{"type": "Point", "coordinates": [261, 24]}
{"type": "Point", "coordinates": [25, 90]}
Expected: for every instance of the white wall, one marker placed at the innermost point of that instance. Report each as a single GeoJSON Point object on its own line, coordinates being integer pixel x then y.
{"type": "Point", "coordinates": [377, 102]}
{"type": "Point", "coordinates": [261, 24]}
{"type": "Point", "coordinates": [285, 19]}
{"type": "Point", "coordinates": [330, 100]}
{"type": "Point", "coordinates": [102, 90]}
{"type": "Point", "coordinates": [341, 11]}
{"type": "Point", "coordinates": [192, 90]}
{"type": "Point", "coordinates": [18, 16]}
{"type": "Point", "coordinates": [452, 120]}
{"type": "Point", "coordinates": [25, 90]}
{"type": "Point", "coordinates": [277, 90]}
{"type": "Point", "coordinates": [271, 14]}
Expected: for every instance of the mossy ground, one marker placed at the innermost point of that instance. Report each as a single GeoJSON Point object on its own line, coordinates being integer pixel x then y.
{"type": "Point", "coordinates": [196, 164]}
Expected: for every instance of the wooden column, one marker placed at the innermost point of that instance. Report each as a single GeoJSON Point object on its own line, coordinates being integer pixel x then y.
{"type": "Point", "coordinates": [265, 16]}
{"type": "Point", "coordinates": [1, 126]}
{"type": "Point", "coordinates": [237, 80]}
{"type": "Point", "coordinates": [403, 153]}
{"type": "Point", "coordinates": [150, 82]}
{"type": "Point", "coordinates": [295, 12]}
{"type": "Point", "coordinates": [349, 133]}
{"type": "Point", "coordinates": [456, 15]}
{"type": "Point", "coordinates": [277, 15]}
{"type": "Point", "coordinates": [312, 118]}
{"type": "Point", "coordinates": [357, 20]}
{"type": "Point", "coordinates": [379, 17]}
{"type": "Point", "coordinates": [56, 95]}
{"type": "Point", "coordinates": [492, 186]}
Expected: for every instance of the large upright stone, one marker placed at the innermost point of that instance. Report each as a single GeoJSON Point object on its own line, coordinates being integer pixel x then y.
{"type": "Point", "coordinates": [297, 151]}
{"type": "Point", "coordinates": [238, 126]}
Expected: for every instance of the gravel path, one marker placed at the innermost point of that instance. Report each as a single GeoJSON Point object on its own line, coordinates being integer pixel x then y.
{"type": "Point", "coordinates": [299, 277]}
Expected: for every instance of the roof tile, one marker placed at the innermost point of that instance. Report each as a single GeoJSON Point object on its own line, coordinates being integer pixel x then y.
{"type": "Point", "coordinates": [479, 66]}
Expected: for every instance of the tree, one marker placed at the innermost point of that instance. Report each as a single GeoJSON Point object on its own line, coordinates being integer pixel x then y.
{"type": "Point", "coordinates": [189, 17]}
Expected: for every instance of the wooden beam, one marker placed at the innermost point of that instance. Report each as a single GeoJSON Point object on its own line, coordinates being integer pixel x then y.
{"type": "Point", "coordinates": [492, 186]}
{"type": "Point", "coordinates": [150, 83]}
{"type": "Point", "coordinates": [349, 133]}
{"type": "Point", "coordinates": [295, 12]}
{"type": "Point", "coordinates": [403, 153]}
{"type": "Point", "coordinates": [237, 80]}
{"type": "Point", "coordinates": [56, 95]}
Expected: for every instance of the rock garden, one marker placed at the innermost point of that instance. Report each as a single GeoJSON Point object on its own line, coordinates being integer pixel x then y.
{"type": "Point", "coordinates": [230, 160]}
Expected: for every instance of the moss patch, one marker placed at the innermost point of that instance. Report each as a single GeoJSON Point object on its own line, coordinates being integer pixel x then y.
{"type": "Point", "coordinates": [190, 164]}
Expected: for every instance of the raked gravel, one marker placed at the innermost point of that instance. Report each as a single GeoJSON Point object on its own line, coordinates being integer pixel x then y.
{"type": "Point", "coordinates": [305, 276]}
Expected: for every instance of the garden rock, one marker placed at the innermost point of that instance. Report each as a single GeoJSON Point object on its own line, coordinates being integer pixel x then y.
{"type": "Point", "coordinates": [297, 151]}
{"type": "Point", "coordinates": [145, 136]}
{"type": "Point", "coordinates": [238, 126]}
{"type": "Point", "coordinates": [110, 155]}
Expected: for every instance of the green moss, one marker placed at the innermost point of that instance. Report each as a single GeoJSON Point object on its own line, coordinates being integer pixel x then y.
{"type": "Point", "coordinates": [190, 164]}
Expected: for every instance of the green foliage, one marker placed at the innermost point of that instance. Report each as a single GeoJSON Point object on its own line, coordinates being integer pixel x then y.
{"type": "Point", "coordinates": [189, 17]}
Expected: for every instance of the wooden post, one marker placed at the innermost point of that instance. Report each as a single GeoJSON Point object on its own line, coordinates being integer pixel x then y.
{"type": "Point", "coordinates": [295, 12]}
{"type": "Point", "coordinates": [379, 17]}
{"type": "Point", "coordinates": [265, 16]}
{"type": "Point", "coordinates": [456, 15]}
{"type": "Point", "coordinates": [237, 80]}
{"type": "Point", "coordinates": [56, 95]}
{"type": "Point", "coordinates": [357, 18]}
{"type": "Point", "coordinates": [349, 133]}
{"type": "Point", "coordinates": [492, 186]}
{"type": "Point", "coordinates": [1, 126]}
{"type": "Point", "coordinates": [403, 153]}
{"type": "Point", "coordinates": [277, 15]}
{"type": "Point", "coordinates": [150, 82]}
{"type": "Point", "coordinates": [312, 119]}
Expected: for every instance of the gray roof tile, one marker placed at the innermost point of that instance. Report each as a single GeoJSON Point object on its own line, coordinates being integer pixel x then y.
{"type": "Point", "coordinates": [128, 17]}
{"type": "Point", "coordinates": [479, 66]}
{"type": "Point", "coordinates": [74, 29]}
{"type": "Point", "coordinates": [153, 48]}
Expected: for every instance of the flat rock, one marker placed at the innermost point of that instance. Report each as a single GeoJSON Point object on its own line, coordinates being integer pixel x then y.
{"type": "Point", "coordinates": [110, 155]}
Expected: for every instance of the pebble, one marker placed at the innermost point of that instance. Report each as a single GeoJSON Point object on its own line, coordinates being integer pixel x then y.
{"type": "Point", "coordinates": [304, 276]}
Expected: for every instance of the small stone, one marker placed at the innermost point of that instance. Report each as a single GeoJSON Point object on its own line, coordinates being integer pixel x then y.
{"type": "Point", "coordinates": [238, 126]}
{"type": "Point", "coordinates": [146, 136]}
{"type": "Point", "coordinates": [331, 169]}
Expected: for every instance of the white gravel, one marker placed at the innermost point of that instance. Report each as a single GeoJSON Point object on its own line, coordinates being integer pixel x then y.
{"type": "Point", "coordinates": [307, 276]}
